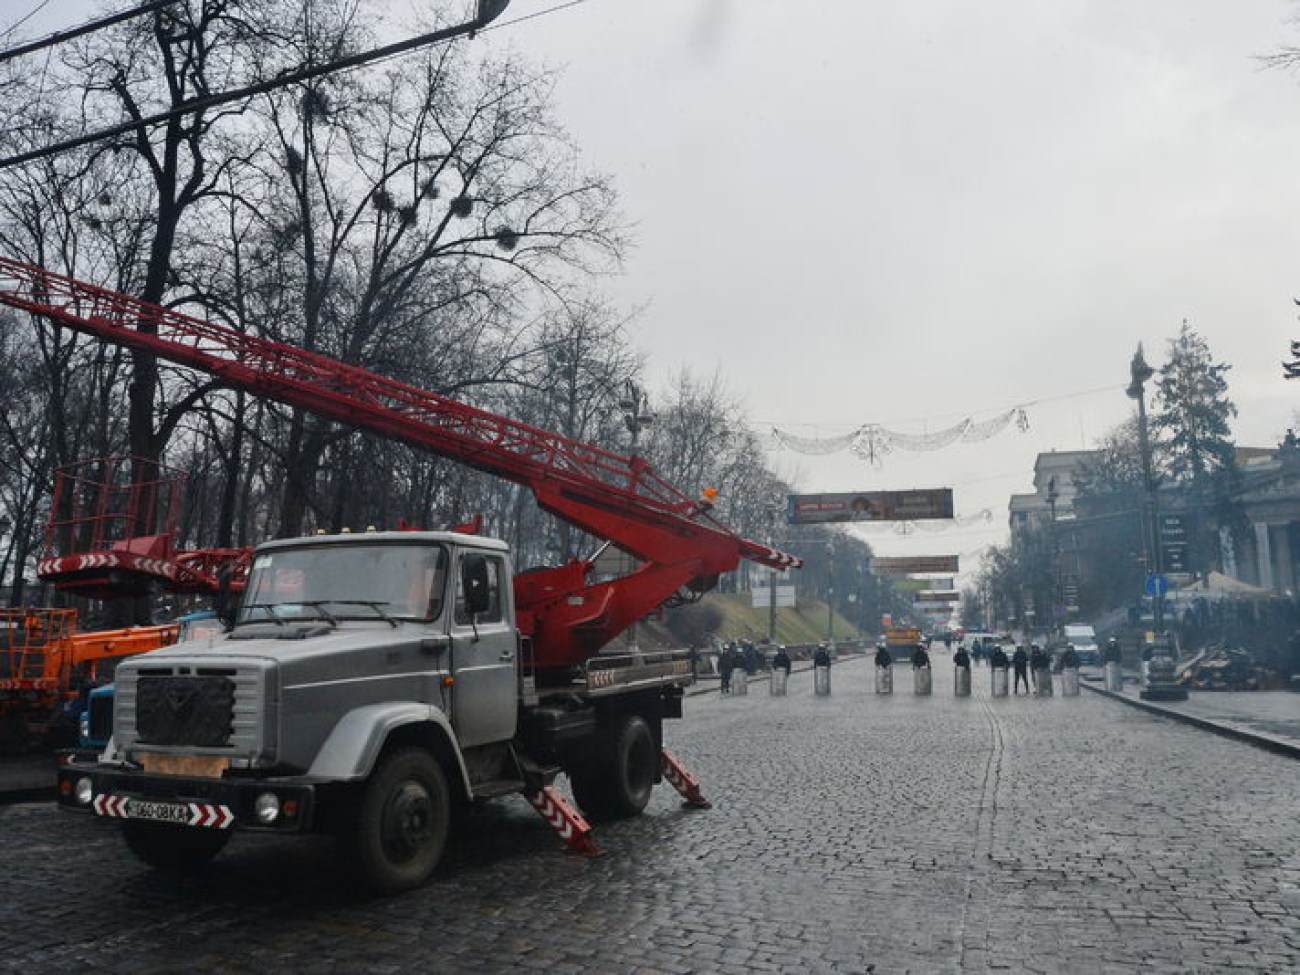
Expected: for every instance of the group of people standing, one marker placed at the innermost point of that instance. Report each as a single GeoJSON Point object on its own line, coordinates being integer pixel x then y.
{"type": "Point", "coordinates": [1036, 661]}
{"type": "Point", "coordinates": [1022, 663]}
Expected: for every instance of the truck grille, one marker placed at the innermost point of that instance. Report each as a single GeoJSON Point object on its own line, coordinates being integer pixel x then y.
{"type": "Point", "coordinates": [185, 710]}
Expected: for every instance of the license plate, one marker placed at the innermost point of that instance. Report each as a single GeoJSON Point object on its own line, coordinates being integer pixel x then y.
{"type": "Point", "coordinates": [158, 812]}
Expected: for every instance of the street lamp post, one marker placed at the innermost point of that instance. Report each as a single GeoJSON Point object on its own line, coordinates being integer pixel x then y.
{"type": "Point", "coordinates": [771, 578]}
{"type": "Point", "coordinates": [1052, 498]}
{"type": "Point", "coordinates": [1160, 685]}
{"type": "Point", "coordinates": [636, 417]}
{"type": "Point", "coordinates": [830, 595]}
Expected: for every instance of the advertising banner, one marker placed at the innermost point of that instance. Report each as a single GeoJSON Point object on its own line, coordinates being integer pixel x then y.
{"type": "Point", "coordinates": [919, 505]}
{"type": "Point", "coordinates": [913, 564]}
{"type": "Point", "coordinates": [937, 596]}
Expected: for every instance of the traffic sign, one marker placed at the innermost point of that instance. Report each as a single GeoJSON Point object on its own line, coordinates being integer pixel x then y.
{"type": "Point", "coordinates": [1157, 585]}
{"type": "Point", "coordinates": [1174, 557]}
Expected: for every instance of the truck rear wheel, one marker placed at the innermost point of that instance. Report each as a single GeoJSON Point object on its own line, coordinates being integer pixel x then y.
{"type": "Point", "coordinates": [402, 822]}
{"type": "Point", "coordinates": [617, 784]}
{"type": "Point", "coordinates": [174, 849]}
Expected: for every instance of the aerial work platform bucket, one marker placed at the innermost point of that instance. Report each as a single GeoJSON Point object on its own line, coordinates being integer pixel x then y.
{"type": "Point", "coordinates": [884, 680]}
{"type": "Point", "coordinates": [999, 678]}
{"type": "Point", "coordinates": [961, 682]}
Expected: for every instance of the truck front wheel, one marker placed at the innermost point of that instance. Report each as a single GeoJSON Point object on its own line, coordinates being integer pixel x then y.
{"type": "Point", "coordinates": [175, 849]}
{"type": "Point", "coordinates": [402, 822]}
{"type": "Point", "coordinates": [618, 782]}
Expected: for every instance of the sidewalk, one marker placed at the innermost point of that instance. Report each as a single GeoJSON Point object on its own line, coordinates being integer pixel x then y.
{"type": "Point", "coordinates": [1269, 719]}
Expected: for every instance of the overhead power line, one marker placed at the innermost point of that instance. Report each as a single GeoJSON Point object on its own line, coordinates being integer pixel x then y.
{"type": "Point", "coordinates": [60, 37]}
{"type": "Point", "coordinates": [487, 11]}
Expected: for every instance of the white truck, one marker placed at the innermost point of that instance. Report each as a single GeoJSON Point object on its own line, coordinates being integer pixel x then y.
{"type": "Point", "coordinates": [1083, 638]}
{"type": "Point", "coordinates": [369, 683]}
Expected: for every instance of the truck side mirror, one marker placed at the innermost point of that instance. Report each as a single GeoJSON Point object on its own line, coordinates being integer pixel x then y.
{"type": "Point", "coordinates": [475, 584]}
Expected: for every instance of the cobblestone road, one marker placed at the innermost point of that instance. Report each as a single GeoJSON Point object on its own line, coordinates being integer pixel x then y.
{"type": "Point", "coordinates": [849, 834]}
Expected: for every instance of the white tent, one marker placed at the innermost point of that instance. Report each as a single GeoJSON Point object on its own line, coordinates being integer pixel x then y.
{"type": "Point", "coordinates": [1216, 586]}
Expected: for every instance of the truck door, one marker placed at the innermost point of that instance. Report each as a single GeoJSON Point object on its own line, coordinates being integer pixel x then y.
{"type": "Point", "coordinates": [484, 647]}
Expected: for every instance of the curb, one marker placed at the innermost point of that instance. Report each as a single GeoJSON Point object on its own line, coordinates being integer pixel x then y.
{"type": "Point", "coordinates": [1267, 742]}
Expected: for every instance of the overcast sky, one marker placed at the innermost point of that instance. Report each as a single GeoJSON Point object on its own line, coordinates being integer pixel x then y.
{"type": "Point", "coordinates": [911, 213]}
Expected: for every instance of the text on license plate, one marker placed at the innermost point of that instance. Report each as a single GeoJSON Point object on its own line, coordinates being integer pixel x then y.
{"type": "Point", "coordinates": [160, 812]}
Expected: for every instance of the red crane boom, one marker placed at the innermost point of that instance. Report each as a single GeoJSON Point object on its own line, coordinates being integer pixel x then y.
{"type": "Point", "coordinates": [608, 495]}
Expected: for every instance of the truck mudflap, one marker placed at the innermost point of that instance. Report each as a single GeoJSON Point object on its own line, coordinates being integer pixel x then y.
{"type": "Point", "coordinates": [262, 804]}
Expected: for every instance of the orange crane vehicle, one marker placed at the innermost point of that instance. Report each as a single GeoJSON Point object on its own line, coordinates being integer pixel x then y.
{"type": "Point", "coordinates": [118, 535]}
{"type": "Point", "coordinates": [45, 663]}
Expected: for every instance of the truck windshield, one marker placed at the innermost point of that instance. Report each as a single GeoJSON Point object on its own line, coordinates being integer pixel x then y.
{"type": "Point", "coordinates": [332, 582]}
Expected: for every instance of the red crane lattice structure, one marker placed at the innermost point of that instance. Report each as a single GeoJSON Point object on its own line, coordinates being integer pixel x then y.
{"type": "Point", "coordinates": [681, 547]}
{"type": "Point", "coordinates": [112, 534]}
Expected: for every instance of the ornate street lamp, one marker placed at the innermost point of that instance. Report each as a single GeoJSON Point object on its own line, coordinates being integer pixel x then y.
{"type": "Point", "coordinates": [633, 403]}
{"type": "Point", "coordinates": [1054, 552]}
{"type": "Point", "coordinates": [1161, 667]}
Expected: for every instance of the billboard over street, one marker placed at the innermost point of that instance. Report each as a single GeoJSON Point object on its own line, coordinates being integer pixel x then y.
{"type": "Point", "coordinates": [937, 596]}
{"type": "Point", "coordinates": [913, 565]}
{"type": "Point", "coordinates": [919, 505]}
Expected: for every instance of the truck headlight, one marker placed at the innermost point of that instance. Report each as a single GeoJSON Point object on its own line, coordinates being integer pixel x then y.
{"type": "Point", "coordinates": [266, 807]}
{"type": "Point", "coordinates": [85, 791]}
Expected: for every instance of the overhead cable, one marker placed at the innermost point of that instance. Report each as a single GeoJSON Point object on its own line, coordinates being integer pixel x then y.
{"type": "Point", "coordinates": [488, 11]}
{"type": "Point", "coordinates": [62, 36]}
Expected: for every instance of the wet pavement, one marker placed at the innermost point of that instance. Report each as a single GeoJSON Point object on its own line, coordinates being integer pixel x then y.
{"type": "Point", "coordinates": [852, 833]}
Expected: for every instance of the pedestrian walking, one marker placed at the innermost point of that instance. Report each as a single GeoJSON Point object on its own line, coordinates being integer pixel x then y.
{"type": "Point", "coordinates": [726, 666]}
{"type": "Point", "coordinates": [1020, 664]}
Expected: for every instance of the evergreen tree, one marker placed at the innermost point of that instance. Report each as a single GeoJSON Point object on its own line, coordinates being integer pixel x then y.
{"type": "Point", "coordinates": [1192, 421]}
{"type": "Point", "coordinates": [1193, 414]}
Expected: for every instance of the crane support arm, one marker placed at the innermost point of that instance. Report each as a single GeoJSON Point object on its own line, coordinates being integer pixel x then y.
{"type": "Point", "coordinates": [609, 495]}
